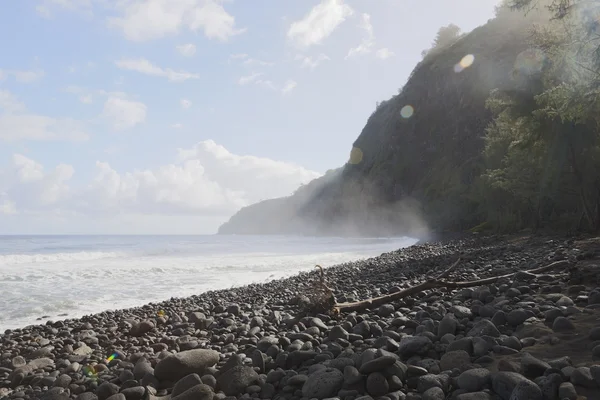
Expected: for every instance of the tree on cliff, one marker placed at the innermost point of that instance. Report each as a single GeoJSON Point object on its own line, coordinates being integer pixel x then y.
{"type": "Point", "coordinates": [543, 147]}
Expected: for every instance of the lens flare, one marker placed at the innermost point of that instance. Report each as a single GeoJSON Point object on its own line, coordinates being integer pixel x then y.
{"type": "Point", "coordinates": [407, 111]}
{"type": "Point", "coordinates": [464, 63]}
{"type": "Point", "coordinates": [161, 313]}
{"type": "Point", "coordinates": [111, 357]}
{"type": "Point", "coordinates": [89, 370]}
{"type": "Point", "coordinates": [356, 156]}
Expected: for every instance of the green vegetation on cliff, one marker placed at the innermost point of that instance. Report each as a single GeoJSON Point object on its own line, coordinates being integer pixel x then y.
{"type": "Point", "coordinates": [495, 129]}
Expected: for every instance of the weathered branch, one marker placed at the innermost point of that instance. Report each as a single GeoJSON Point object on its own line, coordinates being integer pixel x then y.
{"type": "Point", "coordinates": [434, 284]}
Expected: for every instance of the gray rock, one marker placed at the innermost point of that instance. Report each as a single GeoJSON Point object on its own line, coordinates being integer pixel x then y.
{"type": "Point", "coordinates": [434, 393]}
{"type": "Point", "coordinates": [448, 324]}
{"type": "Point", "coordinates": [516, 317]}
{"type": "Point", "coordinates": [595, 372]}
{"type": "Point", "coordinates": [377, 364]}
{"type": "Point", "coordinates": [567, 391]}
{"type": "Point", "coordinates": [87, 396]}
{"type": "Point", "coordinates": [338, 332]}
{"type": "Point", "coordinates": [351, 375]}
{"type": "Point", "coordinates": [141, 328]}
{"type": "Point", "coordinates": [475, 396]}
{"type": "Point", "coordinates": [465, 344]}
{"type": "Point", "coordinates": [116, 396]}
{"type": "Point", "coordinates": [562, 324]}
{"type": "Point", "coordinates": [454, 359]}
{"type": "Point", "coordinates": [532, 367]}
{"type": "Point", "coordinates": [377, 385]}
{"type": "Point", "coordinates": [411, 345]}
{"type": "Point", "coordinates": [236, 380]}
{"type": "Point", "coordinates": [197, 392]}
{"type": "Point", "coordinates": [526, 390]}
{"type": "Point", "coordinates": [323, 384]}
{"type": "Point", "coordinates": [176, 366]}
{"type": "Point", "coordinates": [484, 327]}
{"type": "Point", "coordinates": [582, 376]}
{"type": "Point", "coordinates": [134, 393]}
{"type": "Point", "coordinates": [106, 389]}
{"type": "Point", "coordinates": [461, 311]}
{"type": "Point", "coordinates": [503, 383]}
{"type": "Point", "coordinates": [474, 380]}
{"type": "Point", "coordinates": [185, 383]}
{"type": "Point", "coordinates": [142, 367]}
{"type": "Point", "coordinates": [550, 385]}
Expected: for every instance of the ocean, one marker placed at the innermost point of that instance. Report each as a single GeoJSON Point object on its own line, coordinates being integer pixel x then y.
{"type": "Point", "coordinates": [57, 277]}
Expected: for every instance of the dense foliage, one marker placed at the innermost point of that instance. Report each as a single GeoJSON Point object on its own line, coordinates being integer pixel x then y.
{"type": "Point", "coordinates": [542, 150]}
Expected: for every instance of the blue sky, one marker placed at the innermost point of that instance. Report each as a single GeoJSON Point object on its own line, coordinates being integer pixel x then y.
{"type": "Point", "coordinates": [166, 116]}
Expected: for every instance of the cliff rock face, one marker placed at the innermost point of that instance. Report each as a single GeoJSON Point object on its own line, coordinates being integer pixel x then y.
{"type": "Point", "coordinates": [418, 153]}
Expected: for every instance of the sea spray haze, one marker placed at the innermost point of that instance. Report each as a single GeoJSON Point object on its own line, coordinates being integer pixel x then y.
{"type": "Point", "coordinates": [78, 275]}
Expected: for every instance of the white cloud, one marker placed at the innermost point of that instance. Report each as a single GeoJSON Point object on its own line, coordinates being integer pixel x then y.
{"type": "Point", "coordinates": [45, 6]}
{"type": "Point", "coordinates": [289, 86]}
{"type": "Point", "coordinates": [185, 103]}
{"type": "Point", "coordinates": [384, 53]}
{"type": "Point", "coordinates": [22, 76]}
{"type": "Point", "coordinates": [251, 62]}
{"type": "Point", "coordinates": [186, 50]}
{"type": "Point", "coordinates": [146, 67]}
{"type": "Point", "coordinates": [123, 113]}
{"type": "Point", "coordinates": [245, 80]}
{"type": "Point", "coordinates": [87, 99]}
{"type": "Point", "coordinates": [319, 23]}
{"type": "Point", "coordinates": [310, 62]}
{"type": "Point", "coordinates": [177, 126]}
{"type": "Point", "coordinates": [206, 179]}
{"type": "Point", "coordinates": [16, 123]}
{"type": "Point", "coordinates": [142, 20]}
{"type": "Point", "coordinates": [368, 42]}
{"type": "Point", "coordinates": [26, 185]}
{"type": "Point", "coordinates": [238, 56]}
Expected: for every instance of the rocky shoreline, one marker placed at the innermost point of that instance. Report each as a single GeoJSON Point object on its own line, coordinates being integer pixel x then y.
{"type": "Point", "coordinates": [531, 337]}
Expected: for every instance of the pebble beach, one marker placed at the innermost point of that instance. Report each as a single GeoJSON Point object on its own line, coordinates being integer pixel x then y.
{"type": "Point", "coordinates": [528, 336]}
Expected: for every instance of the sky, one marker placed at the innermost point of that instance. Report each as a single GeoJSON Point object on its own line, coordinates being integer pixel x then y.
{"type": "Point", "coordinates": [168, 116]}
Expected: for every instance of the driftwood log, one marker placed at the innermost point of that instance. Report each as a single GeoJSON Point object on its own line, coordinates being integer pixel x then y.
{"type": "Point", "coordinates": [434, 283]}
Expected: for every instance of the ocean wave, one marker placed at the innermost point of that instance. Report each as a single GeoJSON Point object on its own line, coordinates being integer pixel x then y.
{"type": "Point", "coordinates": [17, 259]}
